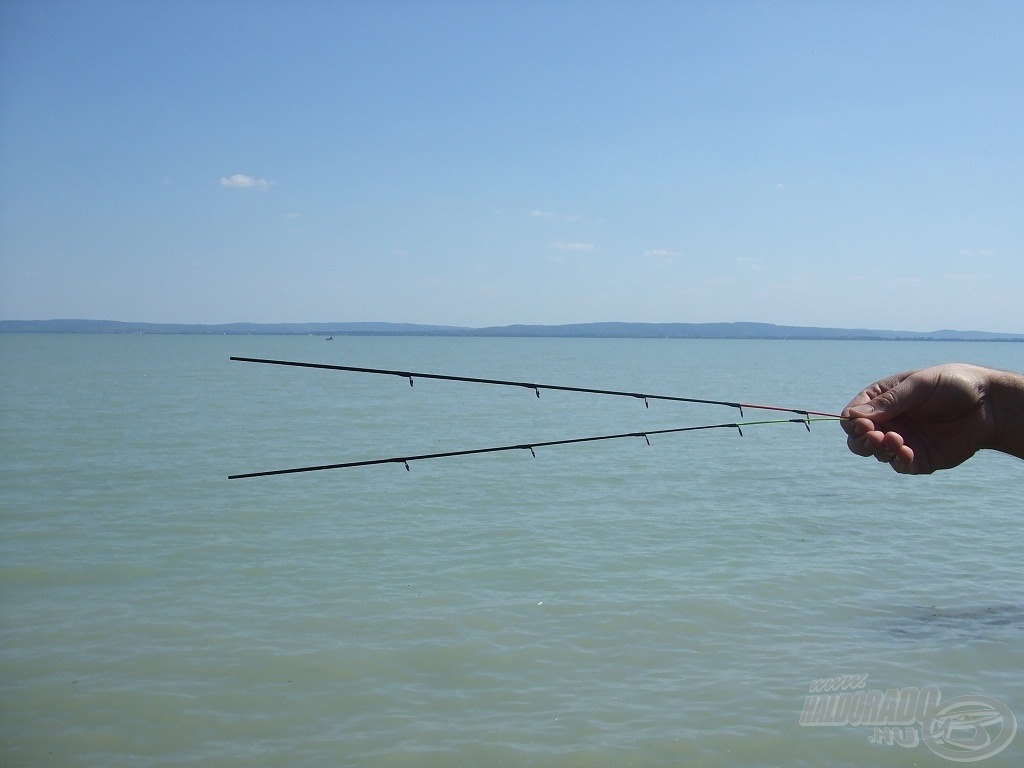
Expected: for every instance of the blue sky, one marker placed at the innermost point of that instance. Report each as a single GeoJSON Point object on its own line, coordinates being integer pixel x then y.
{"type": "Point", "coordinates": [482, 163]}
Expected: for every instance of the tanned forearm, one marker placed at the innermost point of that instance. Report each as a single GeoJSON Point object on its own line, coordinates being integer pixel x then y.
{"type": "Point", "coordinates": [1006, 396]}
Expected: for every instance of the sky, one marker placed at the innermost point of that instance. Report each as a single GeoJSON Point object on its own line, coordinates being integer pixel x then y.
{"type": "Point", "coordinates": [841, 164]}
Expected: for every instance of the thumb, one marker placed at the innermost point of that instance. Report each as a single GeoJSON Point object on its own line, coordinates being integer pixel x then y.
{"type": "Point", "coordinates": [902, 396]}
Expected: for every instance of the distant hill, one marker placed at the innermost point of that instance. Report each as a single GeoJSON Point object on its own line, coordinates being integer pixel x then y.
{"type": "Point", "coordinates": [575, 330]}
{"type": "Point", "coordinates": [733, 331]}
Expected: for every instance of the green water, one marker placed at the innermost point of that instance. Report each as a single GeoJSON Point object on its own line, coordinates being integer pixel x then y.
{"type": "Point", "coordinates": [607, 604]}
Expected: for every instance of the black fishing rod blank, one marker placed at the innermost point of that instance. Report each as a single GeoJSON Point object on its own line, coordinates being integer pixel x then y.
{"type": "Point", "coordinates": [413, 375]}
{"type": "Point", "coordinates": [530, 446]}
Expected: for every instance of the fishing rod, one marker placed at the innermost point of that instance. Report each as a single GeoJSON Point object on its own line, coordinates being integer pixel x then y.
{"type": "Point", "coordinates": [806, 421]}
{"type": "Point", "coordinates": [806, 416]}
{"type": "Point", "coordinates": [412, 376]}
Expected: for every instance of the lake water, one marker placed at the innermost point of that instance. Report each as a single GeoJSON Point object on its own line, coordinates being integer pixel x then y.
{"type": "Point", "coordinates": [605, 604]}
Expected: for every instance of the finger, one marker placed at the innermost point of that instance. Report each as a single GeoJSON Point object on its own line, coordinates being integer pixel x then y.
{"type": "Point", "coordinates": [882, 447]}
{"type": "Point", "coordinates": [903, 462]}
{"type": "Point", "coordinates": [905, 455]}
{"type": "Point", "coordinates": [904, 395]}
{"type": "Point", "coordinates": [892, 442]}
{"type": "Point", "coordinates": [863, 397]}
{"type": "Point", "coordinates": [872, 391]}
{"type": "Point", "coordinates": [858, 427]}
{"type": "Point", "coordinates": [905, 469]}
{"type": "Point", "coordinates": [856, 445]}
{"type": "Point", "coordinates": [890, 447]}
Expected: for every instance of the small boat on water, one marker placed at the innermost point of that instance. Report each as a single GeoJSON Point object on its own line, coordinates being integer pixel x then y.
{"type": "Point", "coordinates": [329, 338]}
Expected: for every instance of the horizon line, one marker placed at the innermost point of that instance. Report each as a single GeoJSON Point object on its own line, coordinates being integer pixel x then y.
{"type": "Point", "coordinates": [590, 329]}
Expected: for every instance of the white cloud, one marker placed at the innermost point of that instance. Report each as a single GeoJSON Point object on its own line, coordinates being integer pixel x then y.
{"type": "Point", "coordinates": [663, 255]}
{"type": "Point", "coordinates": [560, 246]}
{"type": "Point", "coordinates": [554, 216]}
{"type": "Point", "coordinates": [293, 215]}
{"type": "Point", "coordinates": [240, 180]}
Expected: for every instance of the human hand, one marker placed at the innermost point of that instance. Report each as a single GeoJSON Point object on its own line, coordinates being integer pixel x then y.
{"type": "Point", "coordinates": [925, 420]}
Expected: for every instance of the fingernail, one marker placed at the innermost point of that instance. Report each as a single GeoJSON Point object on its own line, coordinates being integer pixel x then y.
{"type": "Point", "coordinates": [864, 410]}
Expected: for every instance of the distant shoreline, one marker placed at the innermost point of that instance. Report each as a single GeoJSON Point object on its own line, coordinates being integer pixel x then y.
{"type": "Point", "coordinates": [609, 330]}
